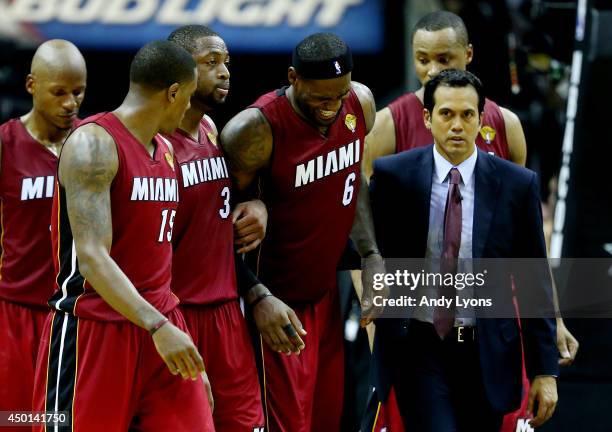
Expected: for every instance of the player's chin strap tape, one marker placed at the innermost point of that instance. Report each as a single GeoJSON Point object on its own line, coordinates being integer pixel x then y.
{"type": "Point", "coordinates": [323, 69]}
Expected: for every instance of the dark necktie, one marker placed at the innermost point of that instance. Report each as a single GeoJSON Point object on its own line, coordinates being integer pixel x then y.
{"type": "Point", "coordinates": [444, 318]}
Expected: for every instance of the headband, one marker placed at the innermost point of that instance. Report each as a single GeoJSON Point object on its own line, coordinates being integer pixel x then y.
{"type": "Point", "coordinates": [323, 69]}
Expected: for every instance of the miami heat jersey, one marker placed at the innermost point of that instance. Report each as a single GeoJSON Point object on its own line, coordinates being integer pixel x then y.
{"type": "Point", "coordinates": [27, 185]}
{"type": "Point", "coordinates": [310, 191]}
{"type": "Point", "coordinates": [410, 130]}
{"type": "Point", "coordinates": [144, 197]}
{"type": "Point", "coordinates": [203, 265]}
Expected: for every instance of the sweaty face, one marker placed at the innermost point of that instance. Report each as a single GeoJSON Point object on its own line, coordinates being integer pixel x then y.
{"type": "Point", "coordinates": [435, 51]}
{"type": "Point", "coordinates": [212, 60]}
{"type": "Point", "coordinates": [180, 104]}
{"type": "Point", "coordinates": [320, 101]}
{"type": "Point", "coordinates": [57, 94]}
{"type": "Point", "coordinates": [454, 122]}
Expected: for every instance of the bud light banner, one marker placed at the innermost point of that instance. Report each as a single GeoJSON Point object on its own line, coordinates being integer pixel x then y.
{"type": "Point", "coordinates": [246, 25]}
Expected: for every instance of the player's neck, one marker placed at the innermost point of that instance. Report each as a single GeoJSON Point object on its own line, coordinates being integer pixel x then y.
{"type": "Point", "coordinates": [141, 116]}
{"type": "Point", "coordinates": [420, 93]}
{"type": "Point", "coordinates": [191, 121]}
{"type": "Point", "coordinates": [43, 131]}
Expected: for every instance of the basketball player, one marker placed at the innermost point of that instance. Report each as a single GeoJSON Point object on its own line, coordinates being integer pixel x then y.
{"type": "Point", "coordinates": [115, 341]}
{"type": "Point", "coordinates": [305, 142]}
{"type": "Point", "coordinates": [203, 271]}
{"type": "Point", "coordinates": [28, 147]}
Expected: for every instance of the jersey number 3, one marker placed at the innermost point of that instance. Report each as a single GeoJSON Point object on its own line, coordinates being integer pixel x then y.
{"type": "Point", "coordinates": [225, 210]}
{"type": "Point", "coordinates": [169, 221]}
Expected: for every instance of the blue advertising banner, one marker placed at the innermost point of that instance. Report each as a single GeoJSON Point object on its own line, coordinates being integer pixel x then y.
{"type": "Point", "coordinates": [246, 25]}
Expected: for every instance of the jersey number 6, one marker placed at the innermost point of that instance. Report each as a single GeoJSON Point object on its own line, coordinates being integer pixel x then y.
{"type": "Point", "coordinates": [347, 197]}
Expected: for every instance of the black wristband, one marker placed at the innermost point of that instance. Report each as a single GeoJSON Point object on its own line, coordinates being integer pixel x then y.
{"type": "Point", "coordinates": [260, 298]}
{"type": "Point", "coordinates": [245, 278]}
{"type": "Point", "coordinates": [157, 326]}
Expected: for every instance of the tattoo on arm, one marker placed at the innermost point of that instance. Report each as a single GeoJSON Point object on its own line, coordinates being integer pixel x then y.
{"type": "Point", "coordinates": [247, 141]}
{"type": "Point", "coordinates": [87, 168]}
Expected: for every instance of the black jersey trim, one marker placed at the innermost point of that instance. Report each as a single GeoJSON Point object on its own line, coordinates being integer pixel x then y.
{"type": "Point", "coordinates": [62, 366]}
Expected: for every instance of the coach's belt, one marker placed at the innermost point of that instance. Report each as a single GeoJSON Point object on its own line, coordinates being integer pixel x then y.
{"type": "Point", "coordinates": [464, 333]}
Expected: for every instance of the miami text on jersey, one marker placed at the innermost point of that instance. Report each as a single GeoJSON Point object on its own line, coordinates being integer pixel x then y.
{"type": "Point", "coordinates": [154, 189]}
{"type": "Point", "coordinates": [200, 171]}
{"type": "Point", "coordinates": [324, 165]}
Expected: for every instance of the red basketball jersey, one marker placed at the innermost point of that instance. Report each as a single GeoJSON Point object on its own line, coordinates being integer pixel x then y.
{"type": "Point", "coordinates": [203, 265]}
{"type": "Point", "coordinates": [311, 192]}
{"type": "Point", "coordinates": [410, 130]}
{"type": "Point", "coordinates": [27, 185]}
{"type": "Point", "coordinates": [144, 197]}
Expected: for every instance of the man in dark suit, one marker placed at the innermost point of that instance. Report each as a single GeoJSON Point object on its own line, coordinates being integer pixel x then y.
{"type": "Point", "coordinates": [450, 201]}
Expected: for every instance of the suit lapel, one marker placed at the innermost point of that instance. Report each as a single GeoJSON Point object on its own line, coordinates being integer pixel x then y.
{"type": "Point", "coordinates": [485, 200]}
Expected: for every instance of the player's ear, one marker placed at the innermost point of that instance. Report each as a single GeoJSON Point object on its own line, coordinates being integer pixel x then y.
{"type": "Point", "coordinates": [427, 118]}
{"type": "Point", "coordinates": [30, 84]}
{"type": "Point", "coordinates": [172, 91]}
{"type": "Point", "coordinates": [292, 75]}
{"type": "Point", "coordinates": [469, 54]}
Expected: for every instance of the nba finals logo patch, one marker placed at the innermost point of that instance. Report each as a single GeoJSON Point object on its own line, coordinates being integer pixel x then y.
{"type": "Point", "coordinates": [351, 122]}
{"type": "Point", "coordinates": [170, 160]}
{"type": "Point", "coordinates": [337, 66]}
{"type": "Point", "coordinates": [212, 138]}
{"type": "Point", "coordinates": [487, 133]}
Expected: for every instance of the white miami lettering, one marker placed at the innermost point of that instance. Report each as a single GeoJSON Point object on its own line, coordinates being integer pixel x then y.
{"type": "Point", "coordinates": [37, 187]}
{"type": "Point", "coordinates": [326, 165]}
{"type": "Point", "coordinates": [522, 425]}
{"type": "Point", "coordinates": [203, 170]}
{"type": "Point", "coordinates": [154, 189]}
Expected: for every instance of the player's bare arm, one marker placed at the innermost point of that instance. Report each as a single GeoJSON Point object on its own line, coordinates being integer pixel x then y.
{"type": "Point", "coordinates": [247, 144]}
{"type": "Point", "coordinates": [87, 168]}
{"type": "Point", "coordinates": [362, 233]}
{"type": "Point", "coordinates": [249, 217]}
{"type": "Point", "coordinates": [517, 146]}
{"type": "Point", "coordinates": [380, 141]}
{"type": "Point", "coordinates": [368, 105]}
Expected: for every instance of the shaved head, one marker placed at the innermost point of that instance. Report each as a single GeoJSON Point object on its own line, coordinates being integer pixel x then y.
{"type": "Point", "coordinates": [57, 82]}
{"type": "Point", "coordinates": [57, 55]}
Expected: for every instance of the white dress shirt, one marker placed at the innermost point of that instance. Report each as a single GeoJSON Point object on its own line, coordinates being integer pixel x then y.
{"type": "Point", "coordinates": [435, 236]}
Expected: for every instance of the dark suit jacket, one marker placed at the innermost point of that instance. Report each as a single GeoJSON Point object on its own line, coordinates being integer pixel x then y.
{"type": "Point", "coordinates": [507, 224]}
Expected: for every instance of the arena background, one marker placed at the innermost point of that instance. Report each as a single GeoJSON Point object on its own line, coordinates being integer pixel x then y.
{"type": "Point", "coordinates": [523, 54]}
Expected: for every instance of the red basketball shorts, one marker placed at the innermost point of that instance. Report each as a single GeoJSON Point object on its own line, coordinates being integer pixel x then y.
{"type": "Point", "coordinates": [220, 333]}
{"type": "Point", "coordinates": [109, 377]}
{"type": "Point", "coordinates": [20, 331]}
{"type": "Point", "coordinates": [304, 393]}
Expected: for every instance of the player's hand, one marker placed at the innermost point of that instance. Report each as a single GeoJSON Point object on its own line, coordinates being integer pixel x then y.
{"type": "Point", "coordinates": [279, 326]}
{"type": "Point", "coordinates": [373, 264]}
{"type": "Point", "coordinates": [566, 343]}
{"type": "Point", "coordinates": [207, 386]}
{"type": "Point", "coordinates": [544, 391]}
{"type": "Point", "coordinates": [178, 351]}
{"type": "Point", "coordinates": [250, 219]}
